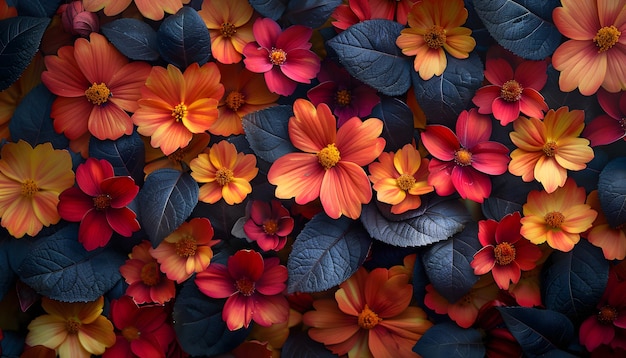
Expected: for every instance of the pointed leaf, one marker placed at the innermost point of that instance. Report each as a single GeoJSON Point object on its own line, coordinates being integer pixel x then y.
{"type": "Point", "coordinates": [7, 276]}
{"type": "Point", "coordinates": [612, 192]}
{"type": "Point", "coordinates": [398, 122]}
{"type": "Point", "coordinates": [555, 98]}
{"type": "Point", "coordinates": [126, 154]}
{"type": "Point", "coordinates": [267, 132]}
{"type": "Point", "coordinates": [311, 13]}
{"type": "Point", "coordinates": [183, 39]}
{"type": "Point", "coordinates": [273, 9]}
{"type": "Point", "coordinates": [134, 38]}
{"type": "Point", "coordinates": [449, 340]}
{"type": "Point", "coordinates": [508, 195]}
{"type": "Point", "coordinates": [37, 8]}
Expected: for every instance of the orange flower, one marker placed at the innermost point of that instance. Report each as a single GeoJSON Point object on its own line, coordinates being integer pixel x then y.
{"type": "Point", "coordinates": [399, 179]}
{"type": "Point", "coordinates": [434, 26]}
{"type": "Point", "coordinates": [546, 149]}
{"type": "Point", "coordinates": [612, 240]}
{"type": "Point", "coordinates": [180, 159]}
{"type": "Point", "coordinates": [175, 105]}
{"type": "Point", "coordinates": [152, 9]}
{"type": "Point", "coordinates": [31, 180]}
{"type": "Point", "coordinates": [331, 166]}
{"type": "Point", "coordinates": [558, 217]}
{"type": "Point", "coordinates": [225, 173]}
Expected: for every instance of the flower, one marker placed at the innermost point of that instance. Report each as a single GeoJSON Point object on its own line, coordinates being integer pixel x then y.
{"type": "Point", "coordinates": [142, 331]}
{"type": "Point", "coordinates": [331, 166]}
{"type": "Point", "coordinates": [369, 317]}
{"type": "Point", "coordinates": [175, 105]}
{"type": "Point", "coordinates": [558, 217]}
{"type": "Point", "coordinates": [512, 92]}
{"type": "Point", "coordinates": [186, 250]}
{"type": "Point", "coordinates": [77, 21]}
{"type": "Point", "coordinates": [400, 178]}
{"type": "Point", "coordinates": [268, 225]}
{"type": "Point", "coordinates": [73, 330]}
{"type": "Point", "coordinates": [253, 287]}
{"type": "Point", "coordinates": [610, 127]}
{"type": "Point", "coordinates": [434, 26]}
{"type": "Point", "coordinates": [594, 55]}
{"type": "Point", "coordinates": [505, 252]}
{"type": "Point", "coordinates": [99, 203]}
{"type": "Point", "coordinates": [180, 159]}
{"type": "Point", "coordinates": [151, 9]}
{"type": "Point", "coordinates": [147, 284]}
{"type": "Point", "coordinates": [462, 161]}
{"type": "Point", "coordinates": [284, 57]}
{"type": "Point", "coordinates": [224, 173]}
{"type": "Point", "coordinates": [229, 26]}
{"type": "Point", "coordinates": [31, 180]}
{"type": "Point", "coordinates": [527, 291]}
{"type": "Point", "coordinates": [397, 10]}
{"type": "Point", "coordinates": [96, 85]}
{"type": "Point", "coordinates": [612, 240]}
{"type": "Point", "coordinates": [346, 96]}
{"type": "Point", "coordinates": [546, 149]}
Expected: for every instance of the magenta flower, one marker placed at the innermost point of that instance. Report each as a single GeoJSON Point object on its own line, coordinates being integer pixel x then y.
{"type": "Point", "coordinates": [284, 57]}
{"type": "Point", "coordinates": [512, 92]}
{"type": "Point", "coordinates": [609, 127]}
{"type": "Point", "coordinates": [346, 96]}
{"type": "Point", "coordinates": [268, 225]}
{"type": "Point", "coordinates": [462, 162]}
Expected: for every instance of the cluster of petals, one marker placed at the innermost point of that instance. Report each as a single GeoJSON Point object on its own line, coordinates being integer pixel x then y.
{"type": "Point", "coordinates": [151, 9]}
{"type": "Point", "coordinates": [612, 240]}
{"type": "Point", "coordinates": [180, 159]}
{"type": "Point", "coordinates": [146, 282]}
{"type": "Point", "coordinates": [268, 224]}
{"type": "Point", "coordinates": [611, 126]}
{"type": "Point", "coordinates": [356, 11]}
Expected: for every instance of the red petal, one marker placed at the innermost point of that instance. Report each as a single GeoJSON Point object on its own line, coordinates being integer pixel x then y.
{"type": "Point", "coordinates": [94, 230]}
{"type": "Point", "coordinates": [498, 71]}
{"type": "Point", "coordinates": [273, 280]}
{"type": "Point", "coordinates": [238, 311]}
{"type": "Point", "coordinates": [490, 158]}
{"type": "Point", "coordinates": [505, 112]}
{"type": "Point", "coordinates": [121, 189]}
{"type": "Point", "coordinates": [294, 37]}
{"type": "Point", "coordinates": [473, 128]}
{"type": "Point", "coordinates": [471, 184]}
{"type": "Point", "coordinates": [301, 66]}
{"type": "Point", "coordinates": [215, 281]}
{"type": "Point", "coordinates": [266, 32]}
{"type": "Point", "coordinates": [246, 264]}
{"type": "Point", "coordinates": [484, 97]}
{"type": "Point", "coordinates": [440, 176]}
{"type": "Point", "coordinates": [487, 232]}
{"type": "Point", "coordinates": [508, 229]}
{"type": "Point", "coordinates": [483, 261]}
{"type": "Point", "coordinates": [505, 274]}
{"type": "Point", "coordinates": [123, 221]}
{"type": "Point", "coordinates": [532, 74]}
{"type": "Point", "coordinates": [74, 204]}
{"type": "Point", "coordinates": [91, 173]}
{"type": "Point", "coordinates": [279, 83]}
{"type": "Point", "coordinates": [440, 142]}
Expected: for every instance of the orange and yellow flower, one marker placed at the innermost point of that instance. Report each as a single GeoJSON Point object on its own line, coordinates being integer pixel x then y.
{"type": "Point", "coordinates": [151, 9]}
{"type": "Point", "coordinates": [435, 26]}
{"type": "Point", "coordinates": [612, 240]}
{"type": "Point", "coordinates": [147, 284]}
{"type": "Point", "coordinates": [547, 149]}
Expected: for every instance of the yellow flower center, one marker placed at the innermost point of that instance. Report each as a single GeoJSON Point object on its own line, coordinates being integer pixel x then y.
{"type": "Point", "coordinates": [511, 91]}
{"type": "Point", "coordinates": [131, 333]}
{"type": "Point", "coordinates": [329, 156]}
{"type": "Point", "coordinates": [186, 246]}
{"type": "Point", "coordinates": [554, 219]}
{"type": "Point", "coordinates": [504, 253]}
{"type": "Point", "coordinates": [179, 112]}
{"type": "Point", "coordinates": [102, 201]}
{"type": "Point", "coordinates": [278, 56]}
{"type": "Point", "coordinates": [435, 37]}
{"type": "Point", "coordinates": [606, 37]}
{"type": "Point", "coordinates": [72, 325]}
{"type": "Point", "coordinates": [550, 148]}
{"type": "Point", "coordinates": [29, 188]}
{"type": "Point", "coordinates": [234, 100]}
{"type": "Point", "coordinates": [405, 182]}
{"type": "Point", "coordinates": [227, 29]}
{"type": "Point", "coordinates": [150, 275]}
{"type": "Point", "coordinates": [368, 319]}
{"type": "Point", "coordinates": [224, 176]}
{"type": "Point", "coordinates": [98, 94]}
{"type": "Point", "coordinates": [245, 286]}
{"type": "Point", "coordinates": [343, 97]}
{"type": "Point", "coordinates": [606, 315]}
{"type": "Point", "coordinates": [463, 157]}
{"type": "Point", "coordinates": [270, 227]}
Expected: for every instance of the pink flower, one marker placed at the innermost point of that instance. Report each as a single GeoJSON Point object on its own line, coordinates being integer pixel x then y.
{"type": "Point", "coordinates": [283, 56]}
{"type": "Point", "coordinates": [609, 127]}
{"type": "Point", "coordinates": [268, 225]}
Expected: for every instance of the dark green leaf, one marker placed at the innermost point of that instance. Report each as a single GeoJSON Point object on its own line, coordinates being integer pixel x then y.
{"type": "Point", "coordinates": [183, 39]}
{"type": "Point", "coordinates": [267, 132]}
{"type": "Point", "coordinates": [311, 13]}
{"type": "Point", "coordinates": [398, 122]}
{"type": "Point", "coordinates": [133, 38]}
{"type": "Point", "coordinates": [612, 191]}
{"type": "Point", "coordinates": [126, 154]}
{"type": "Point", "coordinates": [449, 340]}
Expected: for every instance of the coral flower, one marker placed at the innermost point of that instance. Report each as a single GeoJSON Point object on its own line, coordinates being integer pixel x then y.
{"type": "Point", "coordinates": [512, 92]}
{"type": "Point", "coordinates": [253, 285]}
{"type": "Point", "coordinates": [229, 26]}
{"type": "Point", "coordinates": [31, 180]}
{"type": "Point", "coordinates": [186, 250]}
{"type": "Point", "coordinates": [547, 149]}
{"type": "Point", "coordinates": [610, 127]}
{"type": "Point", "coordinates": [397, 10]}
{"type": "Point", "coordinates": [99, 203]}
{"type": "Point", "coordinates": [96, 86]}
{"type": "Point", "coordinates": [151, 9]}
{"type": "Point", "coordinates": [284, 57]}
{"type": "Point", "coordinates": [505, 252]}
{"type": "Point", "coordinates": [558, 217]}
{"type": "Point", "coordinates": [434, 26]}
{"type": "Point", "coordinates": [224, 173]}
{"type": "Point", "coordinates": [612, 240]}
{"type": "Point", "coordinates": [595, 54]}
{"type": "Point", "coordinates": [461, 162]}
{"type": "Point", "coordinates": [175, 105]}
{"type": "Point", "coordinates": [180, 159]}
{"type": "Point", "coordinates": [143, 331]}
{"type": "Point", "coordinates": [73, 330]}
{"type": "Point", "coordinates": [147, 284]}
{"type": "Point", "coordinates": [331, 166]}
{"type": "Point", "coordinates": [268, 225]}
{"type": "Point", "coordinates": [369, 317]}
{"type": "Point", "coordinates": [400, 178]}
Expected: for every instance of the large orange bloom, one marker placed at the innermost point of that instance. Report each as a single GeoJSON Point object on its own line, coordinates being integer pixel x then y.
{"type": "Point", "coordinates": [434, 26]}
{"type": "Point", "coordinates": [152, 9]}
{"type": "Point", "coordinates": [331, 166]}
{"type": "Point", "coordinates": [595, 54]}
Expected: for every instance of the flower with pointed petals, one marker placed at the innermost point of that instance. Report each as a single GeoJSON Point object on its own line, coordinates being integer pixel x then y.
{"type": "Point", "coordinates": [175, 105]}
{"type": "Point", "coordinates": [462, 162]}
{"type": "Point", "coordinates": [73, 330]}
{"type": "Point", "coordinates": [180, 159]}
{"type": "Point", "coordinates": [612, 240]}
{"type": "Point", "coordinates": [31, 180]}
{"type": "Point", "coordinates": [268, 225]}
{"type": "Point", "coordinates": [187, 250]}
{"type": "Point", "coordinates": [224, 173]}
{"type": "Point", "coordinates": [369, 317]}
{"type": "Point", "coordinates": [253, 287]}
{"type": "Point", "coordinates": [434, 29]}
{"type": "Point", "coordinates": [400, 178]}
{"type": "Point", "coordinates": [610, 127]}
{"type": "Point", "coordinates": [547, 149]}
{"type": "Point", "coordinates": [151, 9]}
{"type": "Point", "coordinates": [331, 166]}
{"type": "Point", "coordinates": [595, 54]}
{"type": "Point", "coordinates": [147, 284]}
{"type": "Point", "coordinates": [95, 86]}
{"type": "Point", "coordinates": [512, 92]}
{"type": "Point", "coordinates": [558, 217]}
{"type": "Point", "coordinates": [284, 57]}
{"type": "Point", "coordinates": [505, 252]}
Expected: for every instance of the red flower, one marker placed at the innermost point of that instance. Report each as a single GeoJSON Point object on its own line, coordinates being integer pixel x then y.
{"type": "Point", "coordinates": [268, 225]}
{"type": "Point", "coordinates": [609, 127]}
{"type": "Point", "coordinates": [147, 284]}
{"type": "Point", "coordinates": [99, 203]}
